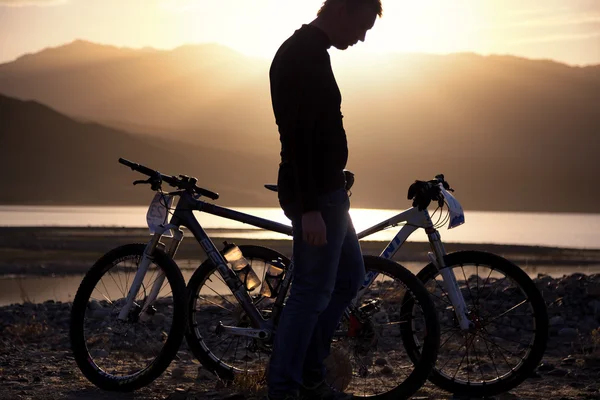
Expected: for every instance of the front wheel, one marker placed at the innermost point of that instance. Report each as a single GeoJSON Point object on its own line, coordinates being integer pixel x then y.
{"type": "Point", "coordinates": [125, 355]}
{"type": "Point", "coordinates": [509, 325]}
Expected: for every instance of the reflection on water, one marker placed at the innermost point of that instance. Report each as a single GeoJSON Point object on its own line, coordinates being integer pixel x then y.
{"type": "Point", "coordinates": [536, 229]}
{"type": "Point", "coordinates": [63, 288]}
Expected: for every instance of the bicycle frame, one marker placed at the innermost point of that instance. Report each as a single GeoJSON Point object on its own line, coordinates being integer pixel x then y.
{"type": "Point", "coordinates": [262, 329]}
{"type": "Point", "coordinates": [413, 219]}
{"type": "Point", "coordinates": [183, 216]}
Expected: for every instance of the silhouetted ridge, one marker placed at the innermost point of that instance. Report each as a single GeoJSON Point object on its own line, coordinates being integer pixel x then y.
{"type": "Point", "coordinates": [508, 132]}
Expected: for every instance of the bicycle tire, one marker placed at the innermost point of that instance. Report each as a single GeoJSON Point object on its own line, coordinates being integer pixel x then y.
{"type": "Point", "coordinates": [214, 360]}
{"type": "Point", "coordinates": [82, 304]}
{"type": "Point", "coordinates": [410, 292]}
{"type": "Point", "coordinates": [194, 334]}
{"type": "Point", "coordinates": [490, 332]}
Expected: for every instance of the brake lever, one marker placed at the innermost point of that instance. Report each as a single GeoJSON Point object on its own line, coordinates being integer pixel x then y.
{"type": "Point", "coordinates": [155, 182]}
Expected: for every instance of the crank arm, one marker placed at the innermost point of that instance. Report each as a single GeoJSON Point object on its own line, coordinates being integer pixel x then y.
{"type": "Point", "coordinates": [262, 334]}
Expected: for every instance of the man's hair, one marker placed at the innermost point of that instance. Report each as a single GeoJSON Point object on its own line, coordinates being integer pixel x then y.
{"type": "Point", "coordinates": [373, 4]}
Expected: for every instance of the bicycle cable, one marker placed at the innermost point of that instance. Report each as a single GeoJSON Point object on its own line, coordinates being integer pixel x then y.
{"type": "Point", "coordinates": [446, 218]}
{"type": "Point", "coordinates": [163, 202]}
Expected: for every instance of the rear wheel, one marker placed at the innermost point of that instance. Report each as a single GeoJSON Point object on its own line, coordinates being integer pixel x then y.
{"type": "Point", "coordinates": [367, 356]}
{"type": "Point", "coordinates": [210, 302]}
{"type": "Point", "coordinates": [510, 325]}
{"type": "Point", "coordinates": [393, 305]}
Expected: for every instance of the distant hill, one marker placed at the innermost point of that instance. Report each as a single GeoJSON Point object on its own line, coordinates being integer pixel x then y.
{"type": "Point", "coordinates": [189, 91]}
{"type": "Point", "coordinates": [509, 133]}
{"type": "Point", "coordinates": [48, 158]}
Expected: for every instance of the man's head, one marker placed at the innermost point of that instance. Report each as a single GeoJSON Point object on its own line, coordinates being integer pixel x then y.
{"type": "Point", "coordinates": [347, 21]}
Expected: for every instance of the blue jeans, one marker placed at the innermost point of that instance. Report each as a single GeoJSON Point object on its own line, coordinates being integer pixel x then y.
{"type": "Point", "coordinates": [326, 279]}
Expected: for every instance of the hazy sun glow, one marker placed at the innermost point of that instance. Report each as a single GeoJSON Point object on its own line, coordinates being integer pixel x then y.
{"type": "Point", "coordinates": [567, 31]}
{"type": "Point", "coordinates": [257, 29]}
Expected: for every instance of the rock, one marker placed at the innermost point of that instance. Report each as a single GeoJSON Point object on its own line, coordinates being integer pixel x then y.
{"type": "Point", "coordinates": [184, 355]}
{"type": "Point", "coordinates": [177, 373]}
{"type": "Point", "coordinates": [387, 370]}
{"type": "Point", "coordinates": [179, 394]}
{"type": "Point", "coordinates": [557, 320]}
{"type": "Point", "coordinates": [101, 313]}
{"type": "Point", "coordinates": [205, 375]}
{"type": "Point", "coordinates": [158, 319]}
{"type": "Point", "coordinates": [94, 305]}
{"type": "Point", "coordinates": [593, 289]}
{"type": "Point", "coordinates": [100, 353]}
{"type": "Point", "coordinates": [558, 372]}
{"type": "Point", "coordinates": [592, 361]}
{"type": "Point", "coordinates": [545, 367]}
{"type": "Point", "coordinates": [567, 332]}
{"type": "Point", "coordinates": [569, 360]}
{"type": "Point", "coordinates": [589, 324]}
{"type": "Point", "coordinates": [594, 306]}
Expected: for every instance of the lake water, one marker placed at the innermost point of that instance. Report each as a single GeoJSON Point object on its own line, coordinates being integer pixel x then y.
{"type": "Point", "coordinates": [541, 229]}
{"type": "Point", "coordinates": [544, 229]}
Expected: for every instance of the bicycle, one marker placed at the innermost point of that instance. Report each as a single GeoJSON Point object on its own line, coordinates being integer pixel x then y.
{"type": "Point", "coordinates": [487, 306]}
{"type": "Point", "coordinates": [369, 331]}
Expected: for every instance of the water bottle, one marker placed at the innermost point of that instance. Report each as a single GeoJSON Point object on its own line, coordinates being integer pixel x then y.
{"type": "Point", "coordinates": [240, 266]}
{"type": "Point", "coordinates": [273, 278]}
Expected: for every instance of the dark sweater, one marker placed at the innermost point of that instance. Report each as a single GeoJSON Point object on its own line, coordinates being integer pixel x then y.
{"type": "Point", "coordinates": [306, 102]}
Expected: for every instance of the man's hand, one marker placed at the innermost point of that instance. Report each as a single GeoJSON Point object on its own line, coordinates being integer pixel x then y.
{"type": "Point", "coordinates": [314, 231]}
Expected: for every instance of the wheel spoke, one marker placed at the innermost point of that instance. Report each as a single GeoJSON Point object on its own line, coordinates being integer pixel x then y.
{"type": "Point", "coordinates": [509, 310]}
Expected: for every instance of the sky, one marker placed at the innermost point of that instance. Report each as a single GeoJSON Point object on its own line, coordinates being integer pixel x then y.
{"type": "Point", "coordinates": [567, 31]}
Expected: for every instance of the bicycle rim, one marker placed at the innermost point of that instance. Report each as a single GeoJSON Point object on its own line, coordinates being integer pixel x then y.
{"type": "Point", "coordinates": [509, 331]}
{"type": "Point", "coordinates": [125, 355]}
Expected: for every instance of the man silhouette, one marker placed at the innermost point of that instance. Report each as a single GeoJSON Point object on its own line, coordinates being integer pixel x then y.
{"type": "Point", "coordinates": [328, 266]}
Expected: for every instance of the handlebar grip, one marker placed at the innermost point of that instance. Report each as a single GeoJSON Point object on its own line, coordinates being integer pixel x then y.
{"type": "Point", "coordinates": [127, 163]}
{"type": "Point", "coordinates": [207, 193]}
{"type": "Point", "coordinates": [138, 167]}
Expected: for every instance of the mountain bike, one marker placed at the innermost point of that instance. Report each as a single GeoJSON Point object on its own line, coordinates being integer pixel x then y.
{"type": "Point", "coordinates": [494, 321]}
{"type": "Point", "coordinates": [129, 314]}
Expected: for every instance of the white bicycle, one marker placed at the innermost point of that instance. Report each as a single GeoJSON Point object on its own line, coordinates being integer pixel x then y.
{"type": "Point", "coordinates": [493, 320]}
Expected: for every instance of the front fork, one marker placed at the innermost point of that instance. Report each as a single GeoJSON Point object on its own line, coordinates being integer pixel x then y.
{"type": "Point", "coordinates": [449, 280]}
{"type": "Point", "coordinates": [147, 258]}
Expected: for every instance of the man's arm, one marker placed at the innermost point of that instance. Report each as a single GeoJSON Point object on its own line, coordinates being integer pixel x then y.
{"type": "Point", "coordinates": [303, 106]}
{"type": "Point", "coordinates": [300, 124]}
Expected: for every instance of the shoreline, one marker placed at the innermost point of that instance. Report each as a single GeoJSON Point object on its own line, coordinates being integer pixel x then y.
{"type": "Point", "coordinates": [37, 361]}
{"type": "Point", "coordinates": [44, 251]}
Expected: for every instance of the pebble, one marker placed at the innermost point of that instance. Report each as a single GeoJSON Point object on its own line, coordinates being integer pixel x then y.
{"type": "Point", "coordinates": [204, 374]}
{"type": "Point", "coordinates": [545, 367]}
{"type": "Point", "coordinates": [558, 372]}
{"type": "Point", "coordinates": [177, 373]}
{"type": "Point", "coordinates": [235, 396]}
{"type": "Point", "coordinates": [387, 370]}
{"type": "Point", "coordinates": [567, 332]}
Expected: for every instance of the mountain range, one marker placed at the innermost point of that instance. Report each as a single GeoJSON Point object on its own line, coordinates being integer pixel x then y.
{"type": "Point", "coordinates": [509, 133]}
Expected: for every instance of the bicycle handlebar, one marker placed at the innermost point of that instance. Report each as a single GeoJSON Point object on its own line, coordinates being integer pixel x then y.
{"type": "Point", "coordinates": [156, 178]}
{"type": "Point", "coordinates": [423, 192]}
